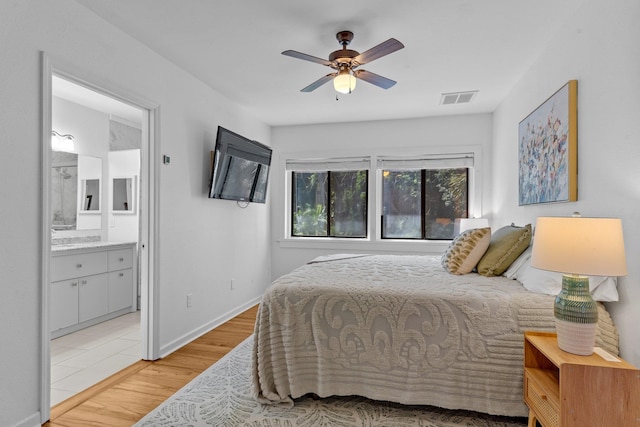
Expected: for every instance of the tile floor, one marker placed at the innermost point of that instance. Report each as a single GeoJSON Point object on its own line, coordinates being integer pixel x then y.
{"type": "Point", "coordinates": [82, 359]}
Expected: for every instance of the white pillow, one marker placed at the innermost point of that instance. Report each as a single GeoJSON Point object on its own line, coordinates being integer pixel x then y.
{"type": "Point", "coordinates": [465, 250]}
{"type": "Point", "coordinates": [550, 282]}
{"type": "Point", "coordinates": [512, 271]}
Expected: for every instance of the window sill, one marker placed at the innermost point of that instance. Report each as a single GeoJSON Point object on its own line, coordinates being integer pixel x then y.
{"type": "Point", "coordinates": [367, 245]}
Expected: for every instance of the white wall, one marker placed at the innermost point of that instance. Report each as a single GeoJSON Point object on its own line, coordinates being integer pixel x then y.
{"type": "Point", "coordinates": [393, 137]}
{"type": "Point", "coordinates": [203, 243]}
{"type": "Point", "coordinates": [599, 47]}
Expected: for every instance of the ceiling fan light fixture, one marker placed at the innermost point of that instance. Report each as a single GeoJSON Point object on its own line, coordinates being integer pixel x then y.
{"type": "Point", "coordinates": [344, 61]}
{"type": "Point", "coordinates": [345, 81]}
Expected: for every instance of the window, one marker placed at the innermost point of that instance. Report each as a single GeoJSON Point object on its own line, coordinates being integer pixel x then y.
{"type": "Point", "coordinates": [329, 198]}
{"type": "Point", "coordinates": [421, 198]}
{"type": "Point", "coordinates": [416, 198]}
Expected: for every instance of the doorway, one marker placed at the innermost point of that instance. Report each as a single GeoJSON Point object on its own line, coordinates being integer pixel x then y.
{"type": "Point", "coordinates": [113, 186]}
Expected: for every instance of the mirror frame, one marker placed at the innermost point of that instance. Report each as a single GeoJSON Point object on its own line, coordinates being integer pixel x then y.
{"type": "Point", "coordinates": [84, 193]}
{"type": "Point", "coordinates": [130, 198]}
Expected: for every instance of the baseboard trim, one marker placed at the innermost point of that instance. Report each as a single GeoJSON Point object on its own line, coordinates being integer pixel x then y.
{"type": "Point", "coordinates": [198, 332]}
{"type": "Point", "coordinates": [32, 420]}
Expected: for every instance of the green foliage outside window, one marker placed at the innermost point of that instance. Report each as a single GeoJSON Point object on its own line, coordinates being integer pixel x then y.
{"type": "Point", "coordinates": [446, 198]}
{"type": "Point", "coordinates": [343, 195]}
{"type": "Point", "coordinates": [423, 204]}
{"type": "Point", "coordinates": [416, 204]}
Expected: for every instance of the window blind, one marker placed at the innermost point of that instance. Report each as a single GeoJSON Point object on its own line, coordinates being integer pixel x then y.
{"type": "Point", "coordinates": [446, 161]}
{"type": "Point", "coordinates": [335, 164]}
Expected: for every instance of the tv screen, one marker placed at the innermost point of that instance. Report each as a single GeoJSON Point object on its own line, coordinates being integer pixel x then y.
{"type": "Point", "coordinates": [240, 168]}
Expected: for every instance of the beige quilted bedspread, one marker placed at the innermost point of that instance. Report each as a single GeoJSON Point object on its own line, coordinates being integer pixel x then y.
{"type": "Point", "coordinates": [401, 329]}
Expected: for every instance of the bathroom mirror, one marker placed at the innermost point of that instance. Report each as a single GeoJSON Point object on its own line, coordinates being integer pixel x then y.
{"type": "Point", "coordinates": [73, 178]}
{"type": "Point", "coordinates": [123, 195]}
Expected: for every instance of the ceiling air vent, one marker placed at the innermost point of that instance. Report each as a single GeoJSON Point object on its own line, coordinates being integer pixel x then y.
{"type": "Point", "coordinates": [457, 97]}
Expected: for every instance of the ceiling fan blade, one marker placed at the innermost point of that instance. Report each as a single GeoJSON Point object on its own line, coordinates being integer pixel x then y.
{"type": "Point", "coordinates": [374, 79]}
{"type": "Point", "coordinates": [315, 85]}
{"type": "Point", "coordinates": [300, 55]}
{"type": "Point", "coordinates": [384, 48]}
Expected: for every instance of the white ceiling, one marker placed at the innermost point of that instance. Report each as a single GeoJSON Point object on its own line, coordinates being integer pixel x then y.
{"type": "Point", "coordinates": [450, 45]}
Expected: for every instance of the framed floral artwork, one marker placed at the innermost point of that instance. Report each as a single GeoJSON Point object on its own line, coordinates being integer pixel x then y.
{"type": "Point", "coordinates": [548, 150]}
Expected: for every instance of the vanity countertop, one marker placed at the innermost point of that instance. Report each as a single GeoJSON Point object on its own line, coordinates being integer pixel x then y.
{"type": "Point", "coordinates": [65, 247]}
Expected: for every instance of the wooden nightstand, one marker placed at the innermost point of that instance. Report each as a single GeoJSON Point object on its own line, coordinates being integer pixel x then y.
{"type": "Point", "coordinates": [562, 389]}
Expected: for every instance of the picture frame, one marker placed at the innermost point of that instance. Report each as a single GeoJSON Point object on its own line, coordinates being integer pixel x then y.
{"type": "Point", "coordinates": [548, 150]}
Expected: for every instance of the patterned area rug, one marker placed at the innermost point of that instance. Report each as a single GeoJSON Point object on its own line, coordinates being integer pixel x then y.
{"type": "Point", "coordinates": [221, 396]}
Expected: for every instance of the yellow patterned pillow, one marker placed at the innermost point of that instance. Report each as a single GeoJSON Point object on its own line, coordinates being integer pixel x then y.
{"type": "Point", "coordinates": [465, 250]}
{"type": "Point", "coordinates": [506, 245]}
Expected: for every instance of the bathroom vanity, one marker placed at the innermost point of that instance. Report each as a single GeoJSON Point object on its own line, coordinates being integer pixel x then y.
{"type": "Point", "coordinates": [91, 282]}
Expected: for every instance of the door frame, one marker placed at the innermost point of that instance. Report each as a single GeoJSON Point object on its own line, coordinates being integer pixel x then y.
{"type": "Point", "coordinates": [149, 209]}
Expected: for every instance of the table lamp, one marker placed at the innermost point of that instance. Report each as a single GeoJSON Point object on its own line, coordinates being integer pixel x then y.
{"type": "Point", "coordinates": [578, 247]}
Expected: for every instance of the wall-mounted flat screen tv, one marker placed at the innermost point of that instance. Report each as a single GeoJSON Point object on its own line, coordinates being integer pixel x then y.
{"type": "Point", "coordinates": [240, 168]}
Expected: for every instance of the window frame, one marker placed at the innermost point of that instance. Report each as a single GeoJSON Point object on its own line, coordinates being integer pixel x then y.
{"type": "Point", "coordinates": [290, 195]}
{"type": "Point", "coordinates": [423, 204]}
{"type": "Point", "coordinates": [373, 241]}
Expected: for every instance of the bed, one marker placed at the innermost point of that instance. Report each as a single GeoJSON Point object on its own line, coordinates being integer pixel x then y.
{"type": "Point", "coordinates": [400, 328]}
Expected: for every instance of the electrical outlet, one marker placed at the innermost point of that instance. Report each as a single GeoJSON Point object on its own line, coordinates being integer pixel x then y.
{"type": "Point", "coordinates": [189, 300]}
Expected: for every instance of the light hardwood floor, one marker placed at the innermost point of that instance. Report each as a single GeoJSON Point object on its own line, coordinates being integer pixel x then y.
{"type": "Point", "coordinates": [127, 396]}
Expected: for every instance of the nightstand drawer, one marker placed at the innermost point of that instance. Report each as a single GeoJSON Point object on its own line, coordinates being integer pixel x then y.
{"type": "Point", "coordinates": [539, 400]}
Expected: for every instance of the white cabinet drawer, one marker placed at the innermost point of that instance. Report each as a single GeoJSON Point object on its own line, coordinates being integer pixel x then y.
{"type": "Point", "coordinates": [120, 259]}
{"type": "Point", "coordinates": [77, 265]}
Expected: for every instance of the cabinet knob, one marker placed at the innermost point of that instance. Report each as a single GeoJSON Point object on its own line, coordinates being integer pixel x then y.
{"type": "Point", "coordinates": [79, 265]}
{"type": "Point", "coordinates": [121, 274]}
{"type": "Point", "coordinates": [121, 259]}
{"type": "Point", "coordinates": [73, 284]}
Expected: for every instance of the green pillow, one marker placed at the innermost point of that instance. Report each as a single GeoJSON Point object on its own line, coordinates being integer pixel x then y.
{"type": "Point", "coordinates": [506, 245]}
{"type": "Point", "coordinates": [465, 250]}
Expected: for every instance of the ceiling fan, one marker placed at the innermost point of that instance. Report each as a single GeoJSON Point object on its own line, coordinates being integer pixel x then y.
{"type": "Point", "coordinates": [346, 61]}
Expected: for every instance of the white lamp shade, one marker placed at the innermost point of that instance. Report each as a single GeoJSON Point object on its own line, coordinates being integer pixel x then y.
{"type": "Point", "coordinates": [464, 224]}
{"type": "Point", "coordinates": [344, 82]}
{"type": "Point", "coordinates": [582, 246]}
